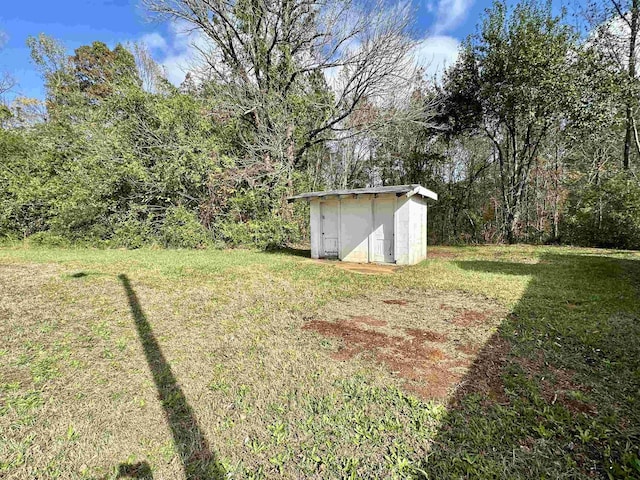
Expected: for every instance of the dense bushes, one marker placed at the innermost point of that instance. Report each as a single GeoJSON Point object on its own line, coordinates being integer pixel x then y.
{"type": "Point", "coordinates": [181, 229]}
{"type": "Point", "coordinates": [177, 227]}
{"type": "Point", "coordinates": [606, 215]}
{"type": "Point", "coordinates": [264, 234]}
{"type": "Point", "coordinates": [48, 239]}
{"type": "Point", "coordinates": [131, 169]}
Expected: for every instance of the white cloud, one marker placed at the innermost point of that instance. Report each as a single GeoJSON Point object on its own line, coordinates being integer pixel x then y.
{"type": "Point", "coordinates": [611, 39]}
{"type": "Point", "coordinates": [434, 54]}
{"type": "Point", "coordinates": [450, 14]}
{"type": "Point", "coordinates": [176, 52]}
{"type": "Point", "coordinates": [184, 54]}
{"type": "Point", "coordinates": [175, 67]}
{"type": "Point", "coordinates": [4, 38]}
{"type": "Point", "coordinates": [154, 41]}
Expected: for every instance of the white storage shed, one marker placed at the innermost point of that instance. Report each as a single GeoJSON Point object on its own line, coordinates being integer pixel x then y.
{"type": "Point", "coordinates": [377, 224]}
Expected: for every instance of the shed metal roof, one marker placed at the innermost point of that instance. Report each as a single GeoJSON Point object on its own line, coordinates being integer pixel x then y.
{"type": "Point", "coordinates": [407, 190]}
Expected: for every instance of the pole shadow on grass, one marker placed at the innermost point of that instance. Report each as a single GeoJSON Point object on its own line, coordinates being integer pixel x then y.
{"type": "Point", "coordinates": [140, 470]}
{"type": "Point", "coordinates": [198, 461]}
{"type": "Point", "coordinates": [554, 393]}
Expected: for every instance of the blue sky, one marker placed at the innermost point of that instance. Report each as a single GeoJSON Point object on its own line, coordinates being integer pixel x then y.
{"type": "Point", "coordinates": [440, 24]}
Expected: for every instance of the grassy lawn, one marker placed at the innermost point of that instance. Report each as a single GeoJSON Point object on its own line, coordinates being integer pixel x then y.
{"type": "Point", "coordinates": [482, 362]}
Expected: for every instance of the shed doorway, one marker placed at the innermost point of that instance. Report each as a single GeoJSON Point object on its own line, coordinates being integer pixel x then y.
{"type": "Point", "coordinates": [329, 213]}
{"type": "Point", "coordinates": [383, 230]}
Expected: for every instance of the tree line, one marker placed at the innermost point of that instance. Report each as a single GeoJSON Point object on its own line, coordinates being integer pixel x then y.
{"type": "Point", "coordinates": [531, 136]}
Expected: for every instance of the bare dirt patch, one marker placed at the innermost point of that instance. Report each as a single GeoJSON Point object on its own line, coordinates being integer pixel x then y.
{"type": "Point", "coordinates": [485, 375]}
{"type": "Point", "coordinates": [395, 302]}
{"type": "Point", "coordinates": [409, 358]}
{"type": "Point", "coordinates": [557, 384]}
{"type": "Point", "coordinates": [429, 344]}
{"type": "Point", "coordinates": [470, 318]}
{"type": "Point", "coordinates": [426, 335]}
{"type": "Point", "coordinates": [367, 320]}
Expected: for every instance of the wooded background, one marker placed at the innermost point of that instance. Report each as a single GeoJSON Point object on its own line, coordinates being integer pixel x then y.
{"type": "Point", "coordinates": [531, 136]}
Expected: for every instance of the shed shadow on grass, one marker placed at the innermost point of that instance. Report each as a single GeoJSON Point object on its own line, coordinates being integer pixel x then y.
{"type": "Point", "coordinates": [291, 251]}
{"type": "Point", "coordinates": [198, 460]}
{"type": "Point", "coordinates": [551, 394]}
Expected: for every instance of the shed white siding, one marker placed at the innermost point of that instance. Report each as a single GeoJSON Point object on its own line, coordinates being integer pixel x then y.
{"type": "Point", "coordinates": [355, 229]}
{"type": "Point", "coordinates": [382, 246]}
{"type": "Point", "coordinates": [402, 221]}
{"type": "Point", "coordinates": [370, 227]}
{"type": "Point", "coordinates": [314, 228]}
{"type": "Point", "coordinates": [417, 229]}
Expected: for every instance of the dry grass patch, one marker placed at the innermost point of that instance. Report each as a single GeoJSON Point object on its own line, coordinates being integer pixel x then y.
{"type": "Point", "coordinates": [421, 337]}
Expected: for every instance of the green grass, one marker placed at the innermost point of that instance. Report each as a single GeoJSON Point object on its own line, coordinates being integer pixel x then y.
{"type": "Point", "coordinates": [194, 364]}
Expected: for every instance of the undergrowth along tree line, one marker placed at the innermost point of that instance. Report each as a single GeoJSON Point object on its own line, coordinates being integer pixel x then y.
{"type": "Point", "coordinates": [530, 136]}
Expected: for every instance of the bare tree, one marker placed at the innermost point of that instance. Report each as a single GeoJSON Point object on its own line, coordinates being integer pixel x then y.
{"type": "Point", "coordinates": [629, 14]}
{"type": "Point", "coordinates": [296, 70]}
{"type": "Point", "coordinates": [149, 71]}
{"type": "Point", "coordinates": [25, 112]}
{"type": "Point", "coordinates": [7, 82]}
{"type": "Point", "coordinates": [616, 28]}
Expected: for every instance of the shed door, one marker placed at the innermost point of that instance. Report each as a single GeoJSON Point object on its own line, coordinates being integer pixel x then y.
{"type": "Point", "coordinates": [329, 224]}
{"type": "Point", "coordinates": [383, 230]}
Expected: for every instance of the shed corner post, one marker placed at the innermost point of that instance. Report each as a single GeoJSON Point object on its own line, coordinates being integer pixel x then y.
{"type": "Point", "coordinates": [339, 228]}
{"type": "Point", "coordinates": [426, 228]}
{"type": "Point", "coordinates": [395, 229]}
{"type": "Point", "coordinates": [370, 238]}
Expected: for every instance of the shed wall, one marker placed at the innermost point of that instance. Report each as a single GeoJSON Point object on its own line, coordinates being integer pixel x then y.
{"type": "Point", "coordinates": [381, 246]}
{"type": "Point", "coordinates": [418, 229]}
{"type": "Point", "coordinates": [355, 229]}
{"type": "Point", "coordinates": [315, 227]}
{"type": "Point", "coordinates": [403, 221]}
{"type": "Point", "coordinates": [357, 233]}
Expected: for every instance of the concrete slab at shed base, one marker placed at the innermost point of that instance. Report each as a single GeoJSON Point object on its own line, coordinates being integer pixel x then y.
{"type": "Point", "coordinates": [361, 268]}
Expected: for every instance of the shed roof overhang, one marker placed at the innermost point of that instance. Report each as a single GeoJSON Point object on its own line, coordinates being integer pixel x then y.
{"type": "Point", "coordinates": [399, 190]}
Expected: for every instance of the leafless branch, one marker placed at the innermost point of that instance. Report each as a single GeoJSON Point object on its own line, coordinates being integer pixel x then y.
{"type": "Point", "coordinates": [272, 53]}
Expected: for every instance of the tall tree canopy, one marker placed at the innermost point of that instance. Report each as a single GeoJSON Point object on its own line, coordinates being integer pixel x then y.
{"type": "Point", "coordinates": [514, 81]}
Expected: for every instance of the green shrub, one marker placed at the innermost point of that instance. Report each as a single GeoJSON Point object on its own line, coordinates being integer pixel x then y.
{"type": "Point", "coordinates": [605, 216]}
{"type": "Point", "coordinates": [48, 239]}
{"type": "Point", "coordinates": [181, 229]}
{"type": "Point", "coordinates": [133, 232]}
{"type": "Point", "coordinates": [263, 234]}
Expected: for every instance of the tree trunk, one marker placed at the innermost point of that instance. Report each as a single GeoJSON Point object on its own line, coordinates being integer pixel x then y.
{"type": "Point", "coordinates": [556, 198]}
{"type": "Point", "coordinates": [635, 12]}
{"type": "Point", "coordinates": [510, 227]}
